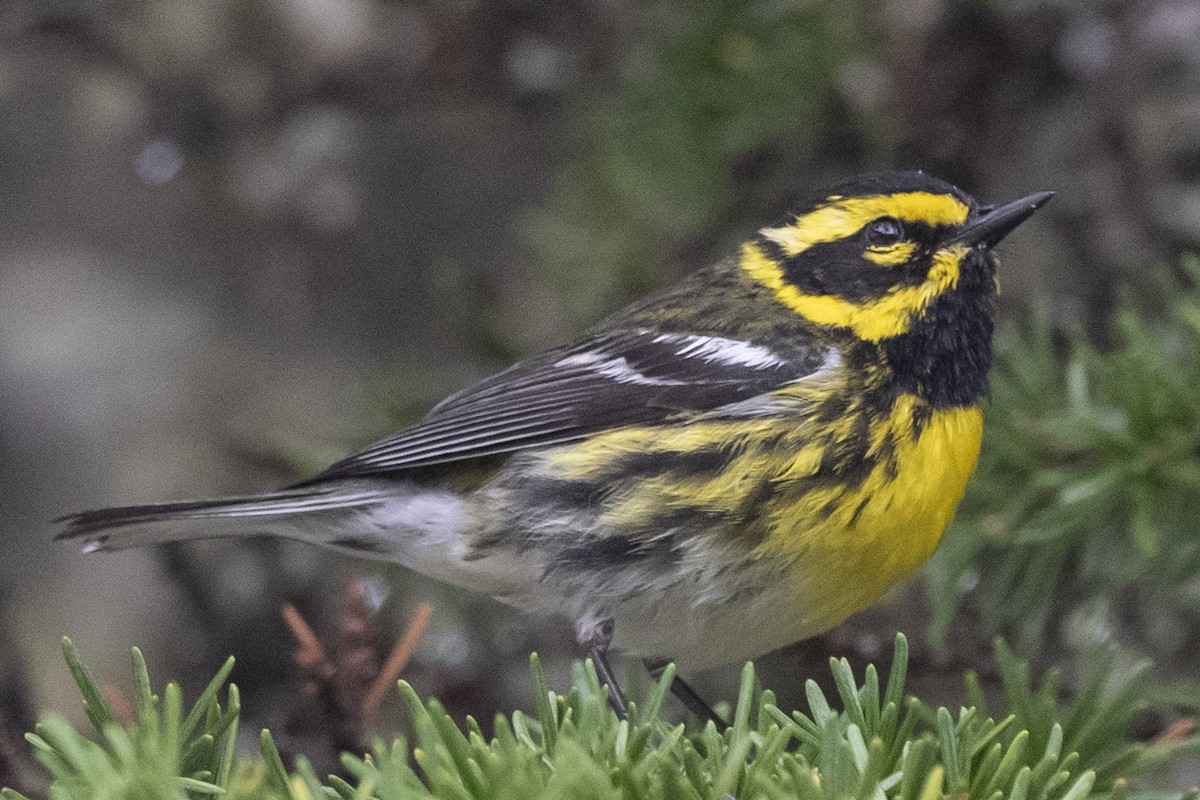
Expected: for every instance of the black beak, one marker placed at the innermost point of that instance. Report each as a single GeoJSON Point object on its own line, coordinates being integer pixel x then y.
{"type": "Point", "coordinates": [996, 222]}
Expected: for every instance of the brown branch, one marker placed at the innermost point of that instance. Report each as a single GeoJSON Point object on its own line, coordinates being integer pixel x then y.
{"type": "Point", "coordinates": [309, 652]}
{"type": "Point", "coordinates": [396, 662]}
{"type": "Point", "coordinates": [346, 681]}
{"type": "Point", "coordinates": [1177, 731]}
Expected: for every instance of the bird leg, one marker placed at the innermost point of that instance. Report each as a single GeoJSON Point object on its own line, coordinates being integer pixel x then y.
{"type": "Point", "coordinates": [616, 698]}
{"type": "Point", "coordinates": [690, 698]}
{"type": "Point", "coordinates": [597, 643]}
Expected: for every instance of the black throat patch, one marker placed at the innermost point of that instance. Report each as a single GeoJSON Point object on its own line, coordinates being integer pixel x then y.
{"type": "Point", "coordinates": [946, 355]}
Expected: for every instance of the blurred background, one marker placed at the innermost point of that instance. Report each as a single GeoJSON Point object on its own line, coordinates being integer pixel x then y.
{"type": "Point", "coordinates": [241, 238]}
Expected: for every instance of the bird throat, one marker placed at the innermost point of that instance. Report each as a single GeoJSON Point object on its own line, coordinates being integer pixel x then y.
{"type": "Point", "coordinates": [945, 356]}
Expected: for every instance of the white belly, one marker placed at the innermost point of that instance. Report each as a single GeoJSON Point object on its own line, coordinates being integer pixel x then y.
{"type": "Point", "coordinates": [671, 624]}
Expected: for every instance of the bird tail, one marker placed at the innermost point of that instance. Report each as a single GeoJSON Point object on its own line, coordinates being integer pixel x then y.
{"type": "Point", "coordinates": [420, 527]}
{"type": "Point", "coordinates": [298, 513]}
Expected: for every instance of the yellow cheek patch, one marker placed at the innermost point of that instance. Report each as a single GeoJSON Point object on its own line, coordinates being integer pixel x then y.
{"type": "Point", "coordinates": [872, 320]}
{"type": "Point", "coordinates": [842, 217]}
{"type": "Point", "coordinates": [892, 255]}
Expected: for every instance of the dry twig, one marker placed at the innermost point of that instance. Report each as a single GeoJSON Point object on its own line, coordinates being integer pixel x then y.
{"type": "Point", "coordinates": [346, 680]}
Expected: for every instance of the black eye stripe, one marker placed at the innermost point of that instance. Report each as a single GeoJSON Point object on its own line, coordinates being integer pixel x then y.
{"type": "Point", "coordinates": [840, 267]}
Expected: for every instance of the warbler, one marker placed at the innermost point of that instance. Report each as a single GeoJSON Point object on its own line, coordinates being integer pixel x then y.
{"type": "Point", "coordinates": [737, 462]}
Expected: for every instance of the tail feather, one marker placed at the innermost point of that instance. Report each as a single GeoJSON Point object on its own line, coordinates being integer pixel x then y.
{"type": "Point", "coordinates": [135, 526]}
{"type": "Point", "coordinates": [421, 528]}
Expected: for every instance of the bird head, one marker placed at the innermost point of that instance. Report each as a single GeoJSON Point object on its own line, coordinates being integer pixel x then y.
{"type": "Point", "coordinates": [876, 253]}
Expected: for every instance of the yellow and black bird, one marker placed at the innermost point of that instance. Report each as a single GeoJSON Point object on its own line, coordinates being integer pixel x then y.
{"type": "Point", "coordinates": [735, 463]}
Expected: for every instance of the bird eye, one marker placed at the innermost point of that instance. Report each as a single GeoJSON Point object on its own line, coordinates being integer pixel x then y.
{"type": "Point", "coordinates": [884, 231]}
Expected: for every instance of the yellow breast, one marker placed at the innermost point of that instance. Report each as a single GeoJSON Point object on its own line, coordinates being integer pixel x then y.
{"type": "Point", "coordinates": [851, 545]}
{"type": "Point", "coordinates": [741, 506]}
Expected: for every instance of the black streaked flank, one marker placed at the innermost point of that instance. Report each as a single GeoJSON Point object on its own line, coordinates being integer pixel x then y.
{"type": "Point", "coordinates": [682, 465]}
{"type": "Point", "coordinates": [690, 520]}
{"type": "Point", "coordinates": [616, 554]}
{"type": "Point", "coordinates": [566, 493]}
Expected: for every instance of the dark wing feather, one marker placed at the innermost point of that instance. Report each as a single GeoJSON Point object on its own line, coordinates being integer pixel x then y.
{"type": "Point", "coordinates": [605, 381]}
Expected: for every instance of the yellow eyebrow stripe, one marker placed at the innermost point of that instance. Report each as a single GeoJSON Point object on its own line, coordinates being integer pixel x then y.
{"type": "Point", "coordinates": [842, 217]}
{"type": "Point", "coordinates": [872, 320]}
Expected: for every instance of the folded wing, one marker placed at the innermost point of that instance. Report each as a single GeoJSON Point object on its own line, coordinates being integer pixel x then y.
{"type": "Point", "coordinates": [606, 381]}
